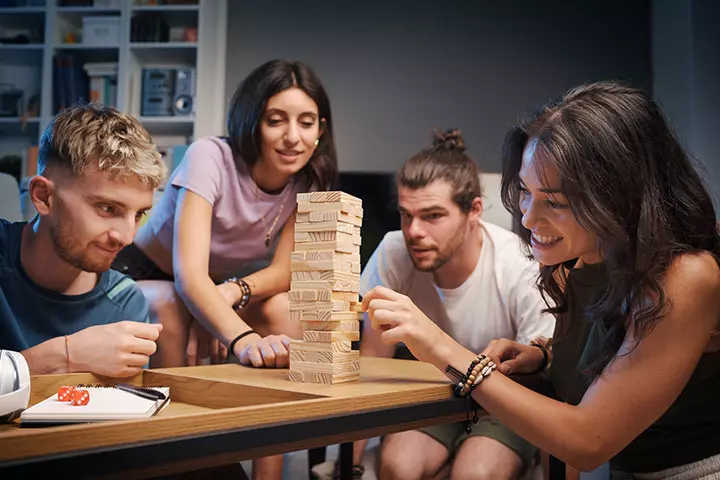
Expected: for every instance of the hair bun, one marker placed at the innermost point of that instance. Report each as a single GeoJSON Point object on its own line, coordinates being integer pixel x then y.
{"type": "Point", "coordinates": [448, 140]}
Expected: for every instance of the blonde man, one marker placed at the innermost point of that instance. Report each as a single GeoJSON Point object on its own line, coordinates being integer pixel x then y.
{"type": "Point", "coordinates": [60, 305]}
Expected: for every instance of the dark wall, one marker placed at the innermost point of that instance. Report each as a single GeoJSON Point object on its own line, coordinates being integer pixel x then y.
{"type": "Point", "coordinates": [395, 70]}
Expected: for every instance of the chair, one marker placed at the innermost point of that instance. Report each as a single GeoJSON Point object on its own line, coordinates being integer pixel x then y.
{"type": "Point", "coordinates": [9, 198]}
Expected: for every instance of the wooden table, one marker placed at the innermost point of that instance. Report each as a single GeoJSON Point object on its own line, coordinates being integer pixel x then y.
{"type": "Point", "coordinates": [225, 413]}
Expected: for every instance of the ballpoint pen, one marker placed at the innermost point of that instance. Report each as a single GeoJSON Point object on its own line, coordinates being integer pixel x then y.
{"type": "Point", "coordinates": [149, 393]}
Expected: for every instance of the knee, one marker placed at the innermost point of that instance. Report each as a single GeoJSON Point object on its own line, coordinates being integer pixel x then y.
{"type": "Point", "coordinates": [395, 463]}
{"type": "Point", "coordinates": [467, 470]}
{"type": "Point", "coordinates": [167, 308]}
{"type": "Point", "coordinates": [274, 316]}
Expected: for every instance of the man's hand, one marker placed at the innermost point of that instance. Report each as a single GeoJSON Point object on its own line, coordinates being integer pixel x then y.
{"type": "Point", "coordinates": [118, 350]}
{"type": "Point", "coordinates": [201, 344]}
{"type": "Point", "coordinates": [271, 351]}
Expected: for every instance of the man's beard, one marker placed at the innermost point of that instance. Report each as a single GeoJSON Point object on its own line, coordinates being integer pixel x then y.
{"type": "Point", "coordinates": [72, 252]}
{"type": "Point", "coordinates": [444, 255]}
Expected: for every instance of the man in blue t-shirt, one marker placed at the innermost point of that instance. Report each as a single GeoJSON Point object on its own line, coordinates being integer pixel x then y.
{"type": "Point", "coordinates": [60, 304]}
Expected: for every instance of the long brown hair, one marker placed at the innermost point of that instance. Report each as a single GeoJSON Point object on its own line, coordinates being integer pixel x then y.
{"type": "Point", "coordinates": [629, 183]}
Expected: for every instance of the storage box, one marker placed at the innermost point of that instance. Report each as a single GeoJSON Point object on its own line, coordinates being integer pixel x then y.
{"type": "Point", "coordinates": [101, 31]}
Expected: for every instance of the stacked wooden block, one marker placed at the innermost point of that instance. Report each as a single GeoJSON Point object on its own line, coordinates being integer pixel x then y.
{"type": "Point", "coordinates": [324, 287]}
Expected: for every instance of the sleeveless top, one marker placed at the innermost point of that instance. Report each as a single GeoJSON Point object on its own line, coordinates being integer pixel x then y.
{"type": "Point", "coordinates": [687, 432]}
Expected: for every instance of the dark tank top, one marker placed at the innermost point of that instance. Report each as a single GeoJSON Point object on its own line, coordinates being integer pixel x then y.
{"type": "Point", "coordinates": [687, 432]}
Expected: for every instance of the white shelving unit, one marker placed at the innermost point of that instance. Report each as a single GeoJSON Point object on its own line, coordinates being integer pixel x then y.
{"type": "Point", "coordinates": [29, 67]}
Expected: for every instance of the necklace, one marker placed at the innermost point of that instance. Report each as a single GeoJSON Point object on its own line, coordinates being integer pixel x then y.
{"type": "Point", "coordinates": [268, 233]}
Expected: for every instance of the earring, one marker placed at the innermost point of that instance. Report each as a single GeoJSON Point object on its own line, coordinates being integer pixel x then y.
{"type": "Point", "coordinates": [317, 142]}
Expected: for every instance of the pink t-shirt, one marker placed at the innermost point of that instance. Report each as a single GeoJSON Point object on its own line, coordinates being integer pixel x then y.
{"type": "Point", "coordinates": [237, 233]}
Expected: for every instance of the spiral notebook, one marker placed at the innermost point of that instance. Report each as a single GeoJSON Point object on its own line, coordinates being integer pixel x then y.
{"type": "Point", "coordinates": [106, 403]}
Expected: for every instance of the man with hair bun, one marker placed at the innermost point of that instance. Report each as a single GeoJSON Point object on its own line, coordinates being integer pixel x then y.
{"type": "Point", "coordinates": [60, 305]}
{"type": "Point", "coordinates": [474, 281]}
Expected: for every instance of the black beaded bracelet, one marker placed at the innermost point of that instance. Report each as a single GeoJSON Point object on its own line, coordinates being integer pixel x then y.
{"type": "Point", "coordinates": [231, 348]}
{"type": "Point", "coordinates": [244, 289]}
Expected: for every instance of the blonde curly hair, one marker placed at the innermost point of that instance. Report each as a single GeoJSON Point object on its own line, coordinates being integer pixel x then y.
{"type": "Point", "coordinates": [96, 137]}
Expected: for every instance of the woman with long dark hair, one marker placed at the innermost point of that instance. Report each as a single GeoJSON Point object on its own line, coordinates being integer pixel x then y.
{"type": "Point", "coordinates": [626, 233]}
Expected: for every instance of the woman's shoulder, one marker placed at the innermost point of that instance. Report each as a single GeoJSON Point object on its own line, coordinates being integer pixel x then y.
{"type": "Point", "coordinates": [695, 270]}
{"type": "Point", "coordinates": [214, 148]}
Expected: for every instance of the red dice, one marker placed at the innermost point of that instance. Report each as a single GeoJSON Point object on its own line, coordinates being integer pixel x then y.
{"type": "Point", "coordinates": [65, 394]}
{"type": "Point", "coordinates": [80, 397]}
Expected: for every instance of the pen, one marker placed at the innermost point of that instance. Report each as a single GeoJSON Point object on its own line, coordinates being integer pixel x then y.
{"type": "Point", "coordinates": [148, 393]}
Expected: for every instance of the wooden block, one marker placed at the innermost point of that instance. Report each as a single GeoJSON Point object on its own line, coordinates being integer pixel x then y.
{"type": "Point", "coordinates": [333, 305]}
{"type": "Point", "coordinates": [323, 357]}
{"type": "Point", "coordinates": [326, 315]}
{"type": "Point", "coordinates": [330, 336]}
{"type": "Point", "coordinates": [323, 256]}
{"type": "Point", "coordinates": [333, 226]}
{"type": "Point", "coordinates": [322, 295]}
{"type": "Point", "coordinates": [326, 378]}
{"type": "Point", "coordinates": [350, 287]}
{"type": "Point", "coordinates": [339, 281]}
{"type": "Point", "coordinates": [340, 237]}
{"type": "Point", "coordinates": [299, 345]}
{"type": "Point", "coordinates": [333, 196]}
{"type": "Point", "coordinates": [336, 246]}
{"type": "Point", "coordinates": [327, 275]}
{"type": "Point", "coordinates": [343, 367]}
{"type": "Point", "coordinates": [344, 207]}
{"type": "Point", "coordinates": [356, 307]}
{"type": "Point", "coordinates": [332, 326]}
{"type": "Point", "coordinates": [313, 217]}
{"type": "Point", "coordinates": [334, 216]}
{"type": "Point", "coordinates": [310, 265]}
{"type": "Point", "coordinates": [303, 198]}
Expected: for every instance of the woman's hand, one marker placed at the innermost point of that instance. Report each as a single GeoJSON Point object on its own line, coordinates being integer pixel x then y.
{"type": "Point", "coordinates": [402, 321]}
{"type": "Point", "coordinates": [271, 351]}
{"type": "Point", "coordinates": [513, 357]}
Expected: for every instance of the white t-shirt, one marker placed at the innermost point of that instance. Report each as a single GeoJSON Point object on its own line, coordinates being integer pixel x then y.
{"type": "Point", "coordinates": [500, 299]}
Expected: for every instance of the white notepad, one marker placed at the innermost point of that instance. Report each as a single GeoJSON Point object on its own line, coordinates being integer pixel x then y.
{"type": "Point", "coordinates": [106, 403]}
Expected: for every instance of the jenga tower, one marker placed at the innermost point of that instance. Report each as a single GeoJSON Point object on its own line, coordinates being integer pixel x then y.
{"type": "Point", "coordinates": [324, 287]}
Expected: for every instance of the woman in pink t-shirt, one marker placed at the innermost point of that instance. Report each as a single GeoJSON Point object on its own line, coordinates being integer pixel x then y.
{"type": "Point", "coordinates": [214, 257]}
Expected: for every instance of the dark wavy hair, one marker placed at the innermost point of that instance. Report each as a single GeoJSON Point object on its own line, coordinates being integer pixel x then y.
{"type": "Point", "coordinates": [444, 160]}
{"type": "Point", "coordinates": [631, 185]}
{"type": "Point", "coordinates": [248, 106]}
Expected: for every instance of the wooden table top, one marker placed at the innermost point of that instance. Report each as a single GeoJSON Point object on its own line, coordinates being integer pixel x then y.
{"type": "Point", "coordinates": [219, 398]}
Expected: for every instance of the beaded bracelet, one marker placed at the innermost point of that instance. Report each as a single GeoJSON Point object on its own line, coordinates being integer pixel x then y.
{"type": "Point", "coordinates": [244, 289]}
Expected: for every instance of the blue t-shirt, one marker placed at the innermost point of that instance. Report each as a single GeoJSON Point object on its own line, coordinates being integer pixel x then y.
{"type": "Point", "coordinates": [30, 314]}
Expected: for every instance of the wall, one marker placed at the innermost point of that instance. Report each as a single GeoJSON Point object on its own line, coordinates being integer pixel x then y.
{"type": "Point", "coordinates": [686, 75]}
{"type": "Point", "coordinates": [395, 70]}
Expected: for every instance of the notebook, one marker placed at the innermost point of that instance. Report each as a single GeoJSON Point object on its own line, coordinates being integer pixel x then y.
{"type": "Point", "coordinates": [106, 403]}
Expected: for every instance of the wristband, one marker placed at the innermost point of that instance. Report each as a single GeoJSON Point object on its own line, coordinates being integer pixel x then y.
{"type": "Point", "coordinates": [231, 348]}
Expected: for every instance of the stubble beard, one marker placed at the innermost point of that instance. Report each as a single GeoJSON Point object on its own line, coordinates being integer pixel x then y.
{"type": "Point", "coordinates": [70, 251]}
{"type": "Point", "coordinates": [445, 254]}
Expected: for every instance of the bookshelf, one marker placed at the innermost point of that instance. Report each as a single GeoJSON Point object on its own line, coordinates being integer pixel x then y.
{"type": "Point", "coordinates": [53, 30]}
